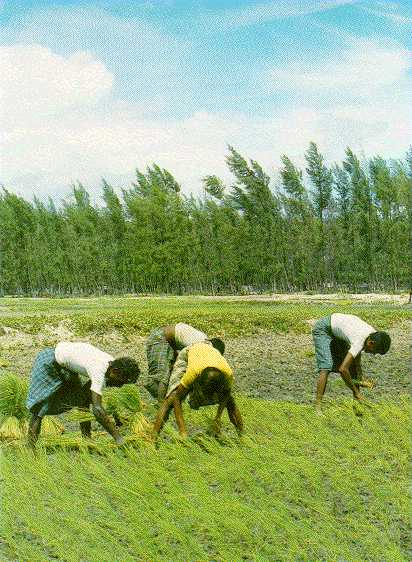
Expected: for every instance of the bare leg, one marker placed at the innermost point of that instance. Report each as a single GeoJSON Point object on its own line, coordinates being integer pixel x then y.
{"type": "Point", "coordinates": [321, 387]}
{"type": "Point", "coordinates": [86, 429]}
{"type": "Point", "coordinates": [34, 430]}
{"type": "Point", "coordinates": [161, 392]}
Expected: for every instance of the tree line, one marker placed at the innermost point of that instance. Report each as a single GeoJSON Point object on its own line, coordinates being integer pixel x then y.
{"type": "Point", "coordinates": [347, 225]}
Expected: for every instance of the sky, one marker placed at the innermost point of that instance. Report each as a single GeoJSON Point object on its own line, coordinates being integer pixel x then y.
{"type": "Point", "coordinates": [94, 90]}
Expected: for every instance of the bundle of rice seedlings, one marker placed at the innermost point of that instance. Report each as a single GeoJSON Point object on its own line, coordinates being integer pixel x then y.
{"type": "Point", "coordinates": [129, 398]}
{"type": "Point", "coordinates": [12, 428]}
{"type": "Point", "coordinates": [13, 411]}
{"type": "Point", "coordinates": [123, 402]}
{"type": "Point", "coordinates": [366, 383]}
{"type": "Point", "coordinates": [71, 441]}
{"type": "Point", "coordinates": [141, 427]}
{"type": "Point", "coordinates": [51, 426]}
{"type": "Point", "coordinates": [78, 415]}
{"type": "Point", "coordinates": [13, 394]}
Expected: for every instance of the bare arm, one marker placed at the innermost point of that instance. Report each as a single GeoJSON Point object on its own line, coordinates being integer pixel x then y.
{"type": "Point", "coordinates": [358, 367]}
{"type": "Point", "coordinates": [234, 414]}
{"type": "Point", "coordinates": [216, 425]}
{"type": "Point", "coordinates": [344, 370]}
{"type": "Point", "coordinates": [174, 400]}
{"type": "Point", "coordinates": [177, 405]}
{"type": "Point", "coordinates": [366, 383]}
{"type": "Point", "coordinates": [104, 420]}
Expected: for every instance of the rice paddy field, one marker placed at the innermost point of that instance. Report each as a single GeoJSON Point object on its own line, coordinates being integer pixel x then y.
{"type": "Point", "coordinates": [296, 486]}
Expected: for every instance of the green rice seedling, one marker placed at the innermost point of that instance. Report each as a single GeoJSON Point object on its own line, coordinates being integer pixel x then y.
{"type": "Point", "coordinates": [79, 415]}
{"type": "Point", "coordinates": [141, 427]}
{"type": "Point", "coordinates": [129, 398]}
{"type": "Point", "coordinates": [13, 394]}
{"type": "Point", "coordinates": [111, 401]}
{"type": "Point", "coordinates": [123, 402]}
{"type": "Point", "coordinates": [52, 426]}
{"type": "Point", "coordinates": [12, 428]}
{"type": "Point", "coordinates": [298, 487]}
{"type": "Point", "coordinates": [72, 441]}
{"type": "Point", "coordinates": [366, 383]}
{"type": "Point", "coordinates": [13, 411]}
{"type": "Point", "coordinates": [75, 442]}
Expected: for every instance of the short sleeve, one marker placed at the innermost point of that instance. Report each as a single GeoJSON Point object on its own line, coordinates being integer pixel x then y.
{"type": "Point", "coordinates": [356, 347]}
{"type": "Point", "coordinates": [97, 376]}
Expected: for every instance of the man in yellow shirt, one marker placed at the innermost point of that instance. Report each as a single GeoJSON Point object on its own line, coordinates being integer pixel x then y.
{"type": "Point", "coordinates": [203, 373]}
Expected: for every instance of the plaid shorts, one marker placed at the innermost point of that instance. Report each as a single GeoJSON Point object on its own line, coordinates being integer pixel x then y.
{"type": "Point", "coordinates": [54, 390]}
{"type": "Point", "coordinates": [160, 357]}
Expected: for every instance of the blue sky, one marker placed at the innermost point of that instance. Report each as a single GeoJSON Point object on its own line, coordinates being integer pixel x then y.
{"type": "Point", "coordinates": [96, 89]}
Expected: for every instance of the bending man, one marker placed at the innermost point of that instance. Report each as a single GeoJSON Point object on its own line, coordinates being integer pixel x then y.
{"type": "Point", "coordinates": [203, 373]}
{"type": "Point", "coordinates": [74, 374]}
{"type": "Point", "coordinates": [339, 340]}
{"type": "Point", "coordinates": [162, 347]}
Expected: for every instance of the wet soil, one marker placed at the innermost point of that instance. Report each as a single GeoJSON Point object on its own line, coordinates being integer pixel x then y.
{"type": "Point", "coordinates": [268, 366]}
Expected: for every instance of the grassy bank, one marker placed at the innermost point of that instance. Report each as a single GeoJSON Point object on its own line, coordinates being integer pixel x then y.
{"type": "Point", "coordinates": [232, 318]}
{"type": "Point", "coordinates": [297, 487]}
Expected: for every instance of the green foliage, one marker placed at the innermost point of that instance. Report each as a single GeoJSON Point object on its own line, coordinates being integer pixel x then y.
{"type": "Point", "coordinates": [214, 186]}
{"type": "Point", "coordinates": [296, 487]}
{"type": "Point", "coordinates": [345, 225]}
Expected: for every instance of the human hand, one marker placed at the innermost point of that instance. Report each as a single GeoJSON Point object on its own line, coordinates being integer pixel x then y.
{"type": "Point", "coordinates": [215, 428]}
{"type": "Point", "coordinates": [367, 383]}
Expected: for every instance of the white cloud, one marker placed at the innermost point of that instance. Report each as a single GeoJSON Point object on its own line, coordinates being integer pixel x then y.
{"type": "Point", "coordinates": [131, 47]}
{"type": "Point", "coordinates": [37, 83]}
{"type": "Point", "coordinates": [63, 125]}
{"type": "Point", "coordinates": [360, 70]}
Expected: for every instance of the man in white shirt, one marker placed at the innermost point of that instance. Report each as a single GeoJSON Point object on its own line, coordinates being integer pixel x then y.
{"type": "Point", "coordinates": [339, 341]}
{"type": "Point", "coordinates": [162, 347]}
{"type": "Point", "coordinates": [74, 374]}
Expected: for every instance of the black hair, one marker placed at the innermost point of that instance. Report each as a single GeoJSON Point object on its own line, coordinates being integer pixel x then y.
{"type": "Point", "coordinates": [218, 344]}
{"type": "Point", "coordinates": [127, 367]}
{"type": "Point", "coordinates": [212, 380]}
{"type": "Point", "coordinates": [381, 342]}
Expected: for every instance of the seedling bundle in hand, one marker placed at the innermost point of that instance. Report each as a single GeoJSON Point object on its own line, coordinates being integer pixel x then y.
{"type": "Point", "coordinates": [13, 412]}
{"type": "Point", "coordinates": [122, 403]}
{"type": "Point", "coordinates": [14, 415]}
